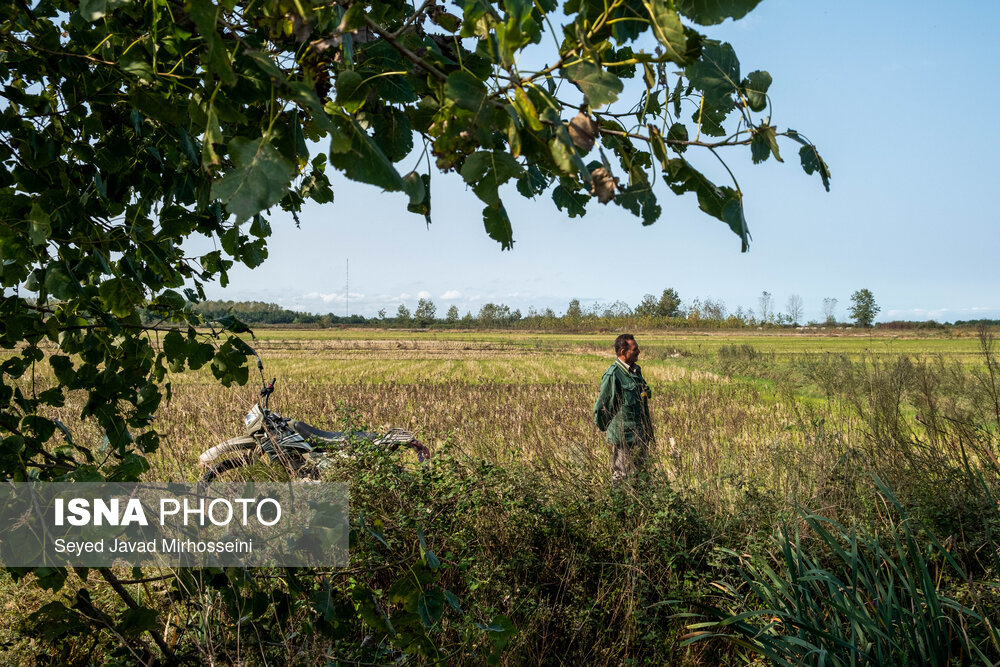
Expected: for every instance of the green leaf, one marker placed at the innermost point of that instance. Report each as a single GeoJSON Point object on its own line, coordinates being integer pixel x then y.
{"type": "Point", "coordinates": [711, 12]}
{"type": "Point", "coordinates": [364, 161]}
{"type": "Point", "coordinates": [59, 283]}
{"type": "Point", "coordinates": [562, 155]}
{"type": "Point", "coordinates": [393, 134]}
{"type": "Point", "coordinates": [657, 145]}
{"type": "Point", "coordinates": [498, 226]}
{"type": "Point", "coordinates": [640, 201]}
{"type": "Point", "coordinates": [395, 88]}
{"type": "Point", "coordinates": [205, 15]}
{"type": "Point", "coordinates": [677, 132]}
{"type": "Point", "coordinates": [421, 191]}
{"type": "Point", "coordinates": [198, 354]}
{"type": "Point", "coordinates": [812, 162]}
{"type": "Point", "coordinates": [532, 182]}
{"type": "Point", "coordinates": [229, 365]}
{"type": "Point", "coordinates": [764, 143]}
{"type": "Point", "coordinates": [487, 171]}
{"type": "Point", "coordinates": [574, 203]}
{"type": "Point", "coordinates": [413, 186]}
{"type": "Point", "coordinates": [259, 180]}
{"type": "Point", "coordinates": [526, 110]}
{"type": "Point", "coordinates": [430, 607]}
{"type": "Point", "coordinates": [121, 296]}
{"type": "Point", "coordinates": [136, 621]}
{"type": "Point", "coordinates": [92, 10]}
{"type": "Point", "coordinates": [716, 73]}
{"type": "Point", "coordinates": [598, 86]}
{"type": "Point", "coordinates": [130, 469]}
{"type": "Point", "coordinates": [174, 347]}
{"type": "Point", "coordinates": [351, 91]}
{"type": "Point", "coordinates": [722, 203]}
{"type": "Point", "coordinates": [501, 631]}
{"type": "Point", "coordinates": [453, 601]}
{"type": "Point", "coordinates": [667, 28]}
{"type": "Point", "coordinates": [39, 227]}
{"type": "Point", "coordinates": [404, 590]}
{"type": "Point", "coordinates": [171, 299]}
{"type": "Point", "coordinates": [759, 150]}
{"type": "Point", "coordinates": [754, 87]}
{"type": "Point", "coordinates": [465, 90]}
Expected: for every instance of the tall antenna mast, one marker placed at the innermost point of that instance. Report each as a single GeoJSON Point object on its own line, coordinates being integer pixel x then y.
{"type": "Point", "coordinates": [347, 291]}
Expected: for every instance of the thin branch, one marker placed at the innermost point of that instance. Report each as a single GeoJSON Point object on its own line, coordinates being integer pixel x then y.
{"type": "Point", "coordinates": [110, 577]}
{"type": "Point", "coordinates": [417, 60]}
{"type": "Point", "coordinates": [413, 17]}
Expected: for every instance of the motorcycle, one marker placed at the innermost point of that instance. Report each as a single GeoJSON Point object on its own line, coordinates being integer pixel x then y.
{"type": "Point", "coordinates": [297, 447]}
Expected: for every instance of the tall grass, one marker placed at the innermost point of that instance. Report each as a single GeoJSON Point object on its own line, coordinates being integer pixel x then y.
{"type": "Point", "coordinates": [846, 596]}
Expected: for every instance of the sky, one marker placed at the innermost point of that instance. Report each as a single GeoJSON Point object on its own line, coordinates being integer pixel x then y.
{"type": "Point", "coordinates": [899, 97]}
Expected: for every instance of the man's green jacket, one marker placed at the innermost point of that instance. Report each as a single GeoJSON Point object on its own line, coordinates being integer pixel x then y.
{"type": "Point", "coordinates": [622, 408]}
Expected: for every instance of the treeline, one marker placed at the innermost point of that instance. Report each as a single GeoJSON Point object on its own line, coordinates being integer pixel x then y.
{"type": "Point", "coordinates": [667, 310]}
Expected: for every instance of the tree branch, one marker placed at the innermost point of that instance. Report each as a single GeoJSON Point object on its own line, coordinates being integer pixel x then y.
{"type": "Point", "coordinates": [417, 60]}
{"type": "Point", "coordinates": [110, 577]}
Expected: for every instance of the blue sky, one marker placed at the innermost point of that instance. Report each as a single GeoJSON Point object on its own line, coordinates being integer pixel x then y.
{"type": "Point", "coordinates": [900, 98]}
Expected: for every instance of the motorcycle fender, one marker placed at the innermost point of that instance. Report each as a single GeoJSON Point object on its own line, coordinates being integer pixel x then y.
{"type": "Point", "coordinates": [231, 445]}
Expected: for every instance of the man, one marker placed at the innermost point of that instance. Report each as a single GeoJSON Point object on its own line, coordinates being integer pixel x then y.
{"type": "Point", "coordinates": [622, 410]}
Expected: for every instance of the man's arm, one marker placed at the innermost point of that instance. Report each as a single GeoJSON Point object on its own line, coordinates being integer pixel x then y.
{"type": "Point", "coordinates": [607, 402]}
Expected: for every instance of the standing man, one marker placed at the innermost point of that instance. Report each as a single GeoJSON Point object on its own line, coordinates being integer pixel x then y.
{"type": "Point", "coordinates": [622, 411]}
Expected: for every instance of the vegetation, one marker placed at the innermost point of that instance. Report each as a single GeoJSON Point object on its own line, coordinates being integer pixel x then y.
{"type": "Point", "coordinates": [863, 308]}
{"type": "Point", "coordinates": [764, 442]}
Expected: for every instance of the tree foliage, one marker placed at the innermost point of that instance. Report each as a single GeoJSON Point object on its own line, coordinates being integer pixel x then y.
{"type": "Point", "coordinates": [863, 308]}
{"type": "Point", "coordinates": [425, 312]}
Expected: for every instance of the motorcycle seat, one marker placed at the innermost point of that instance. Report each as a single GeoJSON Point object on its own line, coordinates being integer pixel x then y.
{"type": "Point", "coordinates": [331, 437]}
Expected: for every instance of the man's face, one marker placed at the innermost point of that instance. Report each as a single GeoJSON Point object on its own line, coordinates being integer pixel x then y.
{"type": "Point", "coordinates": [631, 355]}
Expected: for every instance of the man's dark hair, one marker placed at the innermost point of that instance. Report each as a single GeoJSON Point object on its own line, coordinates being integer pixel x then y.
{"type": "Point", "coordinates": [621, 343]}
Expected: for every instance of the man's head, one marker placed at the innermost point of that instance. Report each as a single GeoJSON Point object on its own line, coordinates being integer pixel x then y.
{"type": "Point", "coordinates": [627, 349]}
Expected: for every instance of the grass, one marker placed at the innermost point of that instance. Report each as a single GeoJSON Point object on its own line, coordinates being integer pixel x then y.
{"type": "Point", "coordinates": [750, 430]}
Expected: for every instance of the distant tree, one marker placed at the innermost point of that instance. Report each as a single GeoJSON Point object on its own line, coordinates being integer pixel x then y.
{"type": "Point", "coordinates": [646, 307]}
{"type": "Point", "coordinates": [863, 308]}
{"type": "Point", "coordinates": [381, 314]}
{"type": "Point", "coordinates": [766, 307]}
{"type": "Point", "coordinates": [452, 316]}
{"type": "Point", "coordinates": [425, 312]}
{"type": "Point", "coordinates": [830, 310]}
{"type": "Point", "coordinates": [794, 308]}
{"type": "Point", "coordinates": [693, 310]}
{"type": "Point", "coordinates": [713, 309]}
{"type": "Point", "coordinates": [402, 314]}
{"type": "Point", "coordinates": [495, 315]}
{"type": "Point", "coordinates": [573, 312]}
{"type": "Point", "coordinates": [669, 304]}
{"type": "Point", "coordinates": [617, 310]}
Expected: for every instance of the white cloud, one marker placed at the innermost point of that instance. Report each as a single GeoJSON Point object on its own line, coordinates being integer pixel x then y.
{"type": "Point", "coordinates": [329, 297]}
{"type": "Point", "coordinates": [939, 314]}
{"type": "Point", "coordinates": [451, 294]}
{"type": "Point", "coordinates": [423, 294]}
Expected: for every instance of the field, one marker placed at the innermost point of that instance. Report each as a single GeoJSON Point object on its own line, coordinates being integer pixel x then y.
{"type": "Point", "coordinates": [754, 432]}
